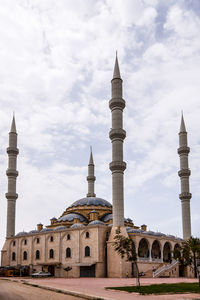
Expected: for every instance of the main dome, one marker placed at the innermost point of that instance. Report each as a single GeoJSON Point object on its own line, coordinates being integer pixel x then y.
{"type": "Point", "coordinates": [91, 201]}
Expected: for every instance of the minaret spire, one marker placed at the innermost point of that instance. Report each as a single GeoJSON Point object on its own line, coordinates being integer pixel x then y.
{"type": "Point", "coordinates": [116, 73]}
{"type": "Point", "coordinates": [91, 178]}
{"type": "Point", "coordinates": [12, 174]}
{"type": "Point", "coordinates": [117, 136]}
{"type": "Point", "coordinates": [184, 174]}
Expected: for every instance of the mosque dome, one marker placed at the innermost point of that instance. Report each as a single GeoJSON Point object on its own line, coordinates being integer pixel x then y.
{"type": "Point", "coordinates": [46, 229]}
{"type": "Point", "coordinates": [91, 201]}
{"type": "Point", "coordinates": [96, 222]}
{"type": "Point", "coordinates": [71, 217]}
{"type": "Point", "coordinates": [21, 233]}
{"type": "Point", "coordinates": [33, 231]}
{"type": "Point", "coordinates": [60, 228]}
{"type": "Point", "coordinates": [77, 225]}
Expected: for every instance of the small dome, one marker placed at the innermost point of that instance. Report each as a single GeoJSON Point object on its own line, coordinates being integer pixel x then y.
{"type": "Point", "coordinates": [71, 217]}
{"type": "Point", "coordinates": [33, 231]}
{"type": "Point", "coordinates": [133, 230]}
{"type": "Point", "coordinates": [171, 236]}
{"type": "Point", "coordinates": [77, 225]}
{"type": "Point", "coordinates": [60, 228]}
{"type": "Point", "coordinates": [96, 222]}
{"type": "Point", "coordinates": [21, 233]}
{"type": "Point", "coordinates": [90, 201]}
{"type": "Point", "coordinates": [93, 211]}
{"type": "Point", "coordinates": [129, 220]}
{"type": "Point", "coordinates": [109, 217]}
{"type": "Point", "coordinates": [159, 234]}
{"type": "Point", "coordinates": [46, 229]}
{"type": "Point", "coordinates": [54, 218]}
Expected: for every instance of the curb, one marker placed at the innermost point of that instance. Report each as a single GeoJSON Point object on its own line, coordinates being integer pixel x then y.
{"type": "Point", "coordinates": [71, 293]}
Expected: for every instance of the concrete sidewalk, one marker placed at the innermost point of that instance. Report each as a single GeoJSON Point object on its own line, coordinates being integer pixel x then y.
{"type": "Point", "coordinates": [88, 288]}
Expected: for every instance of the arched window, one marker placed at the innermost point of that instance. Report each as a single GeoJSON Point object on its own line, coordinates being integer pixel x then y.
{"type": "Point", "coordinates": [68, 252]}
{"type": "Point", "coordinates": [68, 237]}
{"type": "Point", "coordinates": [87, 251]}
{"type": "Point", "coordinates": [51, 239]}
{"type": "Point", "coordinates": [51, 253]}
{"type": "Point", "coordinates": [13, 256]}
{"type": "Point", "coordinates": [143, 249]}
{"type": "Point", "coordinates": [37, 254]}
{"type": "Point", "coordinates": [38, 240]}
{"type": "Point", "coordinates": [156, 251]}
{"type": "Point", "coordinates": [25, 255]}
{"type": "Point", "coordinates": [14, 243]}
{"type": "Point", "coordinates": [87, 235]}
{"type": "Point", "coordinates": [167, 252]}
{"type": "Point", "coordinates": [107, 236]}
{"type": "Point", "coordinates": [25, 242]}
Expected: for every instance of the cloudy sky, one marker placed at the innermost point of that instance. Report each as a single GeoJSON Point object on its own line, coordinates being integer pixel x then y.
{"type": "Point", "coordinates": [57, 60]}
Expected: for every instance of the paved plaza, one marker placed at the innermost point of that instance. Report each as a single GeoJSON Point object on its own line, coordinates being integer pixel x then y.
{"type": "Point", "coordinates": [89, 288]}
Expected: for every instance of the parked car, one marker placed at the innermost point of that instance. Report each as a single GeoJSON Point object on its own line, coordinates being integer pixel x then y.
{"type": "Point", "coordinates": [41, 274]}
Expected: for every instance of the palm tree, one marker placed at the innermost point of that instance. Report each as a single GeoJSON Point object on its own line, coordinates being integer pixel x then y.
{"type": "Point", "coordinates": [190, 253]}
{"type": "Point", "coordinates": [125, 247]}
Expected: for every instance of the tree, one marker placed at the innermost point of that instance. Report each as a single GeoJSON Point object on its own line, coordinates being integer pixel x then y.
{"type": "Point", "coordinates": [125, 247]}
{"type": "Point", "coordinates": [190, 252]}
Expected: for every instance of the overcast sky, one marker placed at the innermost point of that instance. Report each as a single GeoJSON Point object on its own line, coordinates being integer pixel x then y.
{"type": "Point", "coordinates": [56, 63]}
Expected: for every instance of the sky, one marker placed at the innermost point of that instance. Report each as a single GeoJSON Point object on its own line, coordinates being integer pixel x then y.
{"type": "Point", "coordinates": [57, 59]}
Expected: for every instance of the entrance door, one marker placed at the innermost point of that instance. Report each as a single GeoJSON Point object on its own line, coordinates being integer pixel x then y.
{"type": "Point", "coordinates": [51, 269]}
{"type": "Point", "coordinates": [87, 271]}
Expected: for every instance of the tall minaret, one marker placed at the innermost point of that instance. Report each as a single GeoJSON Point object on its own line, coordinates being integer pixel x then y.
{"type": "Point", "coordinates": [12, 174]}
{"type": "Point", "coordinates": [184, 174]}
{"type": "Point", "coordinates": [91, 178]}
{"type": "Point", "coordinates": [117, 136]}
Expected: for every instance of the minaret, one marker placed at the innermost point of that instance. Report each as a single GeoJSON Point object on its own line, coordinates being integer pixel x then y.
{"type": "Point", "coordinates": [117, 136]}
{"type": "Point", "coordinates": [184, 174]}
{"type": "Point", "coordinates": [12, 174]}
{"type": "Point", "coordinates": [91, 178]}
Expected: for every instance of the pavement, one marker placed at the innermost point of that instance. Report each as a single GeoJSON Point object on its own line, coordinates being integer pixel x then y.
{"type": "Point", "coordinates": [94, 288]}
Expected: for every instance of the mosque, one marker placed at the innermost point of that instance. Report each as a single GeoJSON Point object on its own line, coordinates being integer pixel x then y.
{"type": "Point", "coordinates": [79, 243]}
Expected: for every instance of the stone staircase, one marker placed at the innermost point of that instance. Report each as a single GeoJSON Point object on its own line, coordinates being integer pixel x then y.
{"type": "Point", "coordinates": [168, 270]}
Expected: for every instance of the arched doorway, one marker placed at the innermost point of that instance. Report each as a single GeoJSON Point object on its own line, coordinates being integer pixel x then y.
{"type": "Point", "coordinates": [143, 249]}
{"type": "Point", "coordinates": [167, 257]}
{"type": "Point", "coordinates": [156, 251]}
{"type": "Point", "coordinates": [177, 251]}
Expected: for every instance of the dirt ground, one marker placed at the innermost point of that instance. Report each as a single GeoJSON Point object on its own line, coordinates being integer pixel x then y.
{"type": "Point", "coordinates": [10, 290]}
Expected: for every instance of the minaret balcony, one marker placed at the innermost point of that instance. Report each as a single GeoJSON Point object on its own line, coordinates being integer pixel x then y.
{"type": "Point", "coordinates": [11, 196]}
{"type": "Point", "coordinates": [12, 172]}
{"type": "Point", "coordinates": [185, 196]}
{"type": "Point", "coordinates": [117, 103]}
{"type": "Point", "coordinates": [184, 172]}
{"type": "Point", "coordinates": [91, 178]}
{"type": "Point", "coordinates": [183, 150]}
{"type": "Point", "coordinates": [117, 134]}
{"type": "Point", "coordinates": [13, 150]}
{"type": "Point", "coordinates": [117, 166]}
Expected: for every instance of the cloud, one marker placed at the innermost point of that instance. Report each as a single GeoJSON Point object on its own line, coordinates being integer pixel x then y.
{"type": "Point", "coordinates": [56, 65]}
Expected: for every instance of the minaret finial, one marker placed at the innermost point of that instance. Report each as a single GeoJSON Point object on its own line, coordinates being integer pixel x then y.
{"type": "Point", "coordinates": [182, 128]}
{"type": "Point", "coordinates": [13, 125]}
{"type": "Point", "coordinates": [116, 73]}
{"type": "Point", "coordinates": [91, 161]}
{"type": "Point", "coordinates": [91, 178]}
